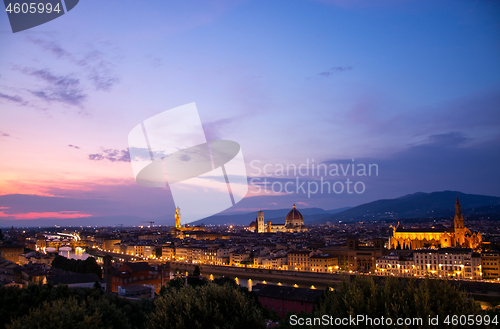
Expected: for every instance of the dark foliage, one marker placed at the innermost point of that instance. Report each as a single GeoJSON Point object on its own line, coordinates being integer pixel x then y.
{"type": "Point", "coordinates": [207, 306]}
{"type": "Point", "coordinates": [38, 301]}
{"type": "Point", "coordinates": [78, 266]}
{"type": "Point", "coordinates": [196, 270]}
{"type": "Point", "coordinates": [393, 298]}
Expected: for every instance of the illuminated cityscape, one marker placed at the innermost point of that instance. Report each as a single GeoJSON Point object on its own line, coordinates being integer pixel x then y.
{"type": "Point", "coordinates": [249, 164]}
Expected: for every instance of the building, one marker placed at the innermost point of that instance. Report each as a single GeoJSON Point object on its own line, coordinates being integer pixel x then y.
{"type": "Point", "coordinates": [324, 263]}
{"type": "Point", "coordinates": [284, 299]}
{"type": "Point", "coordinates": [168, 252]}
{"type": "Point", "coordinates": [299, 260]}
{"type": "Point", "coordinates": [363, 258]}
{"type": "Point", "coordinates": [436, 237]}
{"type": "Point", "coordinates": [209, 255]}
{"type": "Point", "coordinates": [7, 275]}
{"type": "Point", "coordinates": [75, 280]}
{"type": "Point", "coordinates": [108, 244]}
{"type": "Point", "coordinates": [182, 231]}
{"type": "Point", "coordinates": [237, 257]}
{"type": "Point", "coordinates": [11, 252]}
{"type": "Point", "coordinates": [141, 273]}
{"type": "Point", "coordinates": [397, 265]}
{"type": "Point", "coordinates": [223, 254]}
{"type": "Point", "coordinates": [202, 235]}
{"type": "Point", "coordinates": [448, 262]}
{"type": "Point", "coordinates": [490, 264]}
{"type": "Point", "coordinates": [137, 292]}
{"type": "Point", "coordinates": [29, 274]}
{"type": "Point", "coordinates": [184, 254]}
{"type": "Point", "coordinates": [294, 222]}
{"type": "Point", "coordinates": [274, 263]}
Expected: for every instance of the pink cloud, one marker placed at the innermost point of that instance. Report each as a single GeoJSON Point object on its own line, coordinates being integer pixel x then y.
{"type": "Point", "coordinates": [38, 215]}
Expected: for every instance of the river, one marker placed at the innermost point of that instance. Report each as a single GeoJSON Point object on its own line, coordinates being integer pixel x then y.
{"type": "Point", "coordinates": [78, 253]}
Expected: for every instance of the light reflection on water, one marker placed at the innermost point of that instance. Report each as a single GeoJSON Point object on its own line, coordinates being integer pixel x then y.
{"type": "Point", "coordinates": [249, 283]}
{"type": "Point", "coordinates": [78, 253]}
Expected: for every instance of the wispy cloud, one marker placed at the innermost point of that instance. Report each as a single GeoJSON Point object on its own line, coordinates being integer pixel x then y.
{"type": "Point", "coordinates": [452, 138]}
{"type": "Point", "coordinates": [50, 46]}
{"type": "Point", "coordinates": [100, 71]}
{"type": "Point", "coordinates": [334, 70]}
{"type": "Point", "coordinates": [15, 98]}
{"type": "Point", "coordinates": [58, 88]}
{"type": "Point", "coordinates": [213, 129]}
{"type": "Point", "coordinates": [154, 61]}
{"type": "Point", "coordinates": [112, 155]}
{"type": "Point", "coordinates": [74, 146]}
{"type": "Point", "coordinates": [2, 134]}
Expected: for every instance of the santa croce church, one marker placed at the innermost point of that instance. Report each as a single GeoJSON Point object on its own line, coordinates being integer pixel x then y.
{"type": "Point", "coordinates": [456, 236]}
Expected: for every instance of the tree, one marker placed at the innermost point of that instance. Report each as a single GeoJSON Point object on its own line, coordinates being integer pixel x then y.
{"type": "Point", "coordinates": [88, 265]}
{"type": "Point", "coordinates": [395, 298]}
{"type": "Point", "coordinates": [72, 313]}
{"type": "Point", "coordinates": [226, 280]}
{"type": "Point", "coordinates": [196, 271]}
{"type": "Point", "coordinates": [208, 306]}
{"type": "Point", "coordinates": [176, 283]}
{"type": "Point", "coordinates": [97, 286]}
{"type": "Point", "coordinates": [116, 312]}
{"type": "Point", "coordinates": [63, 313]}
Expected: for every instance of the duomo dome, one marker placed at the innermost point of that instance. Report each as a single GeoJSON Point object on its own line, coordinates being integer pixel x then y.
{"type": "Point", "coordinates": [294, 218]}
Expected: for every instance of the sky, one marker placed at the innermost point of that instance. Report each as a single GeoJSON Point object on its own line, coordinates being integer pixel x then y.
{"type": "Point", "coordinates": [411, 88]}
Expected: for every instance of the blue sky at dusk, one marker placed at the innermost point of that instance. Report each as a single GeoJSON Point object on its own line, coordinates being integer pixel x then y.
{"type": "Point", "coordinates": [412, 86]}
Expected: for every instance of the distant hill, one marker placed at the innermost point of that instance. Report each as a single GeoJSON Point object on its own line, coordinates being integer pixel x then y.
{"type": "Point", "coordinates": [419, 205]}
{"type": "Point", "coordinates": [277, 216]}
{"type": "Point", "coordinates": [413, 206]}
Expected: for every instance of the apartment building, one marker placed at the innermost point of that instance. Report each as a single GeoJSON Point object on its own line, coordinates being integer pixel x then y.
{"type": "Point", "coordinates": [490, 264]}
{"type": "Point", "coordinates": [324, 263]}
{"type": "Point", "coordinates": [299, 260]}
{"type": "Point", "coordinates": [397, 265]}
{"type": "Point", "coordinates": [448, 262]}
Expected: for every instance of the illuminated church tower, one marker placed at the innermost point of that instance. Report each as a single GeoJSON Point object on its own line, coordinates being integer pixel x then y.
{"type": "Point", "coordinates": [456, 236]}
{"type": "Point", "coordinates": [261, 226]}
{"type": "Point", "coordinates": [459, 225]}
{"type": "Point", "coordinates": [177, 218]}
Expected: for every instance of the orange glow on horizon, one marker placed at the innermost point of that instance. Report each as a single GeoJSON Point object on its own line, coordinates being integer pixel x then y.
{"type": "Point", "coordinates": [38, 215]}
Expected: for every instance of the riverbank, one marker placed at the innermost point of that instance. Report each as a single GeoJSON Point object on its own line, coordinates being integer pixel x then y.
{"type": "Point", "coordinates": [481, 291]}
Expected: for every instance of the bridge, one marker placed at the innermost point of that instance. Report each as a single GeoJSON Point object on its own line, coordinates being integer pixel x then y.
{"type": "Point", "coordinates": [58, 240]}
{"type": "Point", "coordinates": [56, 244]}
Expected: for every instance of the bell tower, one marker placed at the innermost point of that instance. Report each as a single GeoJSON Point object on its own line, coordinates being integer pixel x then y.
{"type": "Point", "coordinates": [177, 218]}
{"type": "Point", "coordinates": [459, 225]}
{"type": "Point", "coordinates": [261, 226]}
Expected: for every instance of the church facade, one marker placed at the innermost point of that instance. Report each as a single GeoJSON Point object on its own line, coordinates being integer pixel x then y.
{"type": "Point", "coordinates": [456, 236]}
{"type": "Point", "coordinates": [294, 222]}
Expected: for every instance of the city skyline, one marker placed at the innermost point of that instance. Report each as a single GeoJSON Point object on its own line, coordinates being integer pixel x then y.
{"type": "Point", "coordinates": [412, 87]}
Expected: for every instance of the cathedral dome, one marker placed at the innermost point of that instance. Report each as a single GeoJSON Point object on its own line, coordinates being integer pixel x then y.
{"type": "Point", "coordinates": [294, 217]}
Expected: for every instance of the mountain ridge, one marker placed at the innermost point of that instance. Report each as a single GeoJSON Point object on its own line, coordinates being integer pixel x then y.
{"type": "Point", "coordinates": [419, 205]}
